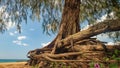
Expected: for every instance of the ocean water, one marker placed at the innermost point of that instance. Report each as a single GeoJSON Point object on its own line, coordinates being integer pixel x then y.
{"type": "Point", "coordinates": [12, 60]}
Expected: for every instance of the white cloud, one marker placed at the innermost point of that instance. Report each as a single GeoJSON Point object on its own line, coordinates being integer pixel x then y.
{"type": "Point", "coordinates": [11, 34]}
{"type": "Point", "coordinates": [21, 37]}
{"type": "Point", "coordinates": [18, 42]}
{"type": "Point", "coordinates": [45, 44]}
{"type": "Point", "coordinates": [24, 44]}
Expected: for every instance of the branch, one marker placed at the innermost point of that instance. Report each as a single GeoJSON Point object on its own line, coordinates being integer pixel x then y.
{"type": "Point", "coordinates": [102, 27]}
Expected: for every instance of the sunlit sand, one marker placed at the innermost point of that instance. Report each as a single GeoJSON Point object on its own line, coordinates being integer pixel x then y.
{"type": "Point", "coordinates": [14, 65]}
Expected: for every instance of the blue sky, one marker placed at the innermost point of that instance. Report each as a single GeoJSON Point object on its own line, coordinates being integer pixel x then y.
{"type": "Point", "coordinates": [15, 46]}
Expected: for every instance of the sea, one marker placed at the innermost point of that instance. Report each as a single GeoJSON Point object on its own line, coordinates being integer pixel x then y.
{"type": "Point", "coordinates": [12, 60]}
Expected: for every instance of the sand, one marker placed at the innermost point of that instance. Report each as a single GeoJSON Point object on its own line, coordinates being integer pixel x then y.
{"type": "Point", "coordinates": [14, 65]}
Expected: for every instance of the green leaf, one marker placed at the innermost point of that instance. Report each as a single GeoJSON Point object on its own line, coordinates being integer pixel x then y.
{"type": "Point", "coordinates": [91, 65]}
{"type": "Point", "coordinates": [113, 65]}
{"type": "Point", "coordinates": [113, 56]}
{"type": "Point", "coordinates": [117, 58]}
{"type": "Point", "coordinates": [107, 59]}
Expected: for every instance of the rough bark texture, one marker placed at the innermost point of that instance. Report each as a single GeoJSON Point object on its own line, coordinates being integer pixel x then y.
{"type": "Point", "coordinates": [70, 21]}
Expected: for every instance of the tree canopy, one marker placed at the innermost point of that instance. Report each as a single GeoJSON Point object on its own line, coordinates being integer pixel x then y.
{"type": "Point", "coordinates": [50, 12]}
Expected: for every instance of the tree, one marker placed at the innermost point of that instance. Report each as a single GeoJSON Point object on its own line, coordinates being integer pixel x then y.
{"type": "Point", "coordinates": [74, 12]}
{"type": "Point", "coordinates": [70, 21]}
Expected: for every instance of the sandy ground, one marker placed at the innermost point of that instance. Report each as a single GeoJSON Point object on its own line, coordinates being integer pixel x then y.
{"type": "Point", "coordinates": [14, 65]}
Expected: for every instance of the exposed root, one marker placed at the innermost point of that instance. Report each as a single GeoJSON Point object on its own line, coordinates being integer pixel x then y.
{"type": "Point", "coordinates": [54, 48]}
{"type": "Point", "coordinates": [81, 60]}
{"type": "Point", "coordinates": [78, 54]}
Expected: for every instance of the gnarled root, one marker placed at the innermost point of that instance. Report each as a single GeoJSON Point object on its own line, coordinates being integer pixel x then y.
{"type": "Point", "coordinates": [81, 53]}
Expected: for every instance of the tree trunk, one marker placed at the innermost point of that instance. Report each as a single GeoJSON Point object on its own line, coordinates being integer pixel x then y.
{"type": "Point", "coordinates": [70, 21]}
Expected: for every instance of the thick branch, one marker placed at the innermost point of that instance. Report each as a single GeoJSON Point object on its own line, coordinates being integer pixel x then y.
{"type": "Point", "coordinates": [102, 27]}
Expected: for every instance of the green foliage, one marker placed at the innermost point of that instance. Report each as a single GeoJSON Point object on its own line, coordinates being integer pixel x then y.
{"type": "Point", "coordinates": [116, 54]}
{"type": "Point", "coordinates": [112, 56]}
{"type": "Point", "coordinates": [91, 65]}
{"type": "Point", "coordinates": [92, 10]}
{"type": "Point", "coordinates": [113, 65]}
{"type": "Point", "coordinates": [102, 65]}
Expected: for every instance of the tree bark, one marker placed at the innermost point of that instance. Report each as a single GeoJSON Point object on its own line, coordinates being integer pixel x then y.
{"type": "Point", "coordinates": [70, 21]}
{"type": "Point", "coordinates": [102, 27]}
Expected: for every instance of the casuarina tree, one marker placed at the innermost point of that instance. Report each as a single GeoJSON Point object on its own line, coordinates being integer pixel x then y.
{"type": "Point", "coordinates": [64, 17]}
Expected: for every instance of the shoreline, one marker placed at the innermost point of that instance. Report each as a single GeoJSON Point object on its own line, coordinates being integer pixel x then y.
{"type": "Point", "coordinates": [12, 62]}
{"type": "Point", "coordinates": [14, 65]}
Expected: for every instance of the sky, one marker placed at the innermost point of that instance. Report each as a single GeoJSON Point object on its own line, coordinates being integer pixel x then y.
{"type": "Point", "coordinates": [14, 45]}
